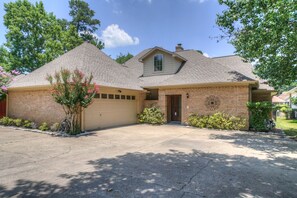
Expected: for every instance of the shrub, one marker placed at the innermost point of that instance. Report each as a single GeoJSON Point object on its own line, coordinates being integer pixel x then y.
{"type": "Point", "coordinates": [5, 121]}
{"type": "Point", "coordinates": [217, 121]}
{"type": "Point", "coordinates": [151, 115]}
{"type": "Point", "coordinates": [260, 114]}
{"type": "Point", "coordinates": [43, 126]}
{"type": "Point", "coordinates": [55, 127]}
{"type": "Point", "coordinates": [18, 122]}
{"type": "Point", "coordinates": [27, 124]}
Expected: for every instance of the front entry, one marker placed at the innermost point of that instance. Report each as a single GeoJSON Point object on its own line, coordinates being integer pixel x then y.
{"type": "Point", "coordinates": [174, 108]}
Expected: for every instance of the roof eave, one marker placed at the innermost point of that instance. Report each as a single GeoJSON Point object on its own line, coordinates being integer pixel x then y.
{"type": "Point", "coordinates": [174, 55]}
{"type": "Point", "coordinates": [203, 84]}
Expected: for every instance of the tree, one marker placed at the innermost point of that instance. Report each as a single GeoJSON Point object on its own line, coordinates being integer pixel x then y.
{"type": "Point", "coordinates": [34, 37]}
{"type": "Point", "coordinates": [5, 79]}
{"type": "Point", "coordinates": [74, 92]}
{"type": "Point", "coordinates": [122, 58]}
{"type": "Point", "coordinates": [82, 19]}
{"type": "Point", "coordinates": [264, 32]}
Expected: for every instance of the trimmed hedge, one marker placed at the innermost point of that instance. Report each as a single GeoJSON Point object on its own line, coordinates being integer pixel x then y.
{"type": "Point", "coordinates": [217, 121]}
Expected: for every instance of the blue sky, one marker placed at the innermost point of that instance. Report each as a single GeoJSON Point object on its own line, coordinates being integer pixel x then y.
{"type": "Point", "coordinates": [134, 25]}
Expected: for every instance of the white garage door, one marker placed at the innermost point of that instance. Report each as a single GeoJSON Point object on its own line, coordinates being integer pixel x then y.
{"type": "Point", "coordinates": [109, 110]}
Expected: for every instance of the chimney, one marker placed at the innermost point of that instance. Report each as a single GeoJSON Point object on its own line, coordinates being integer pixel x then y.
{"type": "Point", "coordinates": [179, 47]}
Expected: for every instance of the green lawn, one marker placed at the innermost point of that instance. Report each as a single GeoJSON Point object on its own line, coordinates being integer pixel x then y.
{"type": "Point", "coordinates": [288, 126]}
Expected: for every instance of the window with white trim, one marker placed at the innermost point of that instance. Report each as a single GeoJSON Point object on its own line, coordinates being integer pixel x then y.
{"type": "Point", "coordinates": [158, 62]}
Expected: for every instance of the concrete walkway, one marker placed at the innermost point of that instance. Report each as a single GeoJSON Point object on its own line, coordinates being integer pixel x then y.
{"type": "Point", "coordinates": [147, 161]}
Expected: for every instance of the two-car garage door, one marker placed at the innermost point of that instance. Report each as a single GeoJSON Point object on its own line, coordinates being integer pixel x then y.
{"type": "Point", "coordinates": [109, 110]}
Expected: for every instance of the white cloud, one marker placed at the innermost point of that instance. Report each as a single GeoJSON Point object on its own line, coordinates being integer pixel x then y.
{"type": "Point", "coordinates": [113, 36]}
{"type": "Point", "coordinates": [205, 54]}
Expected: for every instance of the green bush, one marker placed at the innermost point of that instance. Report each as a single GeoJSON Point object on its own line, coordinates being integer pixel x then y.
{"type": "Point", "coordinates": [18, 122]}
{"type": "Point", "coordinates": [7, 121]}
{"type": "Point", "coordinates": [55, 127]}
{"type": "Point", "coordinates": [260, 113]}
{"type": "Point", "coordinates": [151, 115]}
{"type": "Point", "coordinates": [217, 121]}
{"type": "Point", "coordinates": [4, 121]}
{"type": "Point", "coordinates": [43, 126]}
{"type": "Point", "coordinates": [27, 124]}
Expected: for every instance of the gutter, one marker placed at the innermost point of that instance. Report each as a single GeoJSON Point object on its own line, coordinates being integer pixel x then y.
{"type": "Point", "coordinates": [204, 84]}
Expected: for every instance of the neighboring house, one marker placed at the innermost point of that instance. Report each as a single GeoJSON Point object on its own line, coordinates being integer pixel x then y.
{"type": "Point", "coordinates": [281, 99]}
{"type": "Point", "coordinates": [180, 83]}
{"type": "Point", "coordinates": [285, 98]}
{"type": "Point", "coordinates": [291, 93]}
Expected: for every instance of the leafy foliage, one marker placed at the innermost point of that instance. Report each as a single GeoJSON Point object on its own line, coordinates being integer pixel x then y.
{"type": "Point", "coordinates": [6, 121]}
{"type": "Point", "coordinates": [260, 113]}
{"type": "Point", "coordinates": [43, 127]}
{"type": "Point", "coordinates": [264, 32]}
{"type": "Point", "coordinates": [82, 19]}
{"type": "Point", "coordinates": [122, 58]}
{"type": "Point", "coordinates": [294, 100]}
{"type": "Point", "coordinates": [217, 121]}
{"type": "Point", "coordinates": [34, 37]}
{"type": "Point", "coordinates": [5, 79]}
{"type": "Point", "coordinates": [27, 124]}
{"type": "Point", "coordinates": [151, 115]}
{"type": "Point", "coordinates": [74, 92]}
{"type": "Point", "coordinates": [18, 122]}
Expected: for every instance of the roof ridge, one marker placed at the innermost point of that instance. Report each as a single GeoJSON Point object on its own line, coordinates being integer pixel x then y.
{"type": "Point", "coordinates": [225, 56]}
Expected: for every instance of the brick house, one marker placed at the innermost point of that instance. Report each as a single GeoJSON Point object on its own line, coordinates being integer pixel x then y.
{"type": "Point", "coordinates": [180, 83]}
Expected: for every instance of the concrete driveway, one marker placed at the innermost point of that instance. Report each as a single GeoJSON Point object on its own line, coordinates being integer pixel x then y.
{"type": "Point", "coordinates": [147, 161]}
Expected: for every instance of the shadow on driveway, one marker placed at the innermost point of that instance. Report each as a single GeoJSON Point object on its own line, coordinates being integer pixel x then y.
{"type": "Point", "coordinates": [173, 174]}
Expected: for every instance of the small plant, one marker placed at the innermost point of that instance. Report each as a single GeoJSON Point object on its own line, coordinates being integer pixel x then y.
{"type": "Point", "coordinates": [55, 127]}
{"type": "Point", "coordinates": [43, 127]}
{"type": "Point", "coordinates": [18, 122]}
{"type": "Point", "coordinates": [4, 121]}
{"type": "Point", "coordinates": [27, 124]}
{"type": "Point", "coordinates": [217, 121]}
{"type": "Point", "coordinates": [152, 115]}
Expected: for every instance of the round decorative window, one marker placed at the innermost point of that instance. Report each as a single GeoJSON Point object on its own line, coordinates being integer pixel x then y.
{"type": "Point", "coordinates": [212, 102]}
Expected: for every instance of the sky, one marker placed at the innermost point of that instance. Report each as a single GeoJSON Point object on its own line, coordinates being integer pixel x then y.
{"type": "Point", "coordinates": [134, 25]}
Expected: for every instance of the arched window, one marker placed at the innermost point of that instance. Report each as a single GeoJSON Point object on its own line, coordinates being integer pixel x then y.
{"type": "Point", "coordinates": [158, 62]}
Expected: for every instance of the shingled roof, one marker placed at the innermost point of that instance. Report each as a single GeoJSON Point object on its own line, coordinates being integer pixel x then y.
{"type": "Point", "coordinates": [239, 64]}
{"type": "Point", "coordinates": [88, 59]}
{"type": "Point", "coordinates": [198, 69]}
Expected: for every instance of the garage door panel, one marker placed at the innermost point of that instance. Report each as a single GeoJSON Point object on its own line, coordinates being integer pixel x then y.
{"type": "Point", "coordinates": [104, 113]}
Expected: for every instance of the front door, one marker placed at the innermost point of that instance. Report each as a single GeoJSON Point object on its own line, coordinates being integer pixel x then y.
{"type": "Point", "coordinates": [176, 108]}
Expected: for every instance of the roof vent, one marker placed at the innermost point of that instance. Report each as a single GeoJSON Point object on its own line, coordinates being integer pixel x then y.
{"type": "Point", "coordinates": [179, 47]}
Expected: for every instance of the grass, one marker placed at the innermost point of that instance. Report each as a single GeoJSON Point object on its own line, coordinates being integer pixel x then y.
{"type": "Point", "coordinates": [288, 126]}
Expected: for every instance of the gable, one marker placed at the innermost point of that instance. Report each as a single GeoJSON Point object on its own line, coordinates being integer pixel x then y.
{"type": "Point", "coordinates": [170, 64]}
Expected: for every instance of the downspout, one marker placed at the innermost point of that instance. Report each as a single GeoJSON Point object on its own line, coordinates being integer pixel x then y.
{"type": "Point", "coordinates": [6, 112]}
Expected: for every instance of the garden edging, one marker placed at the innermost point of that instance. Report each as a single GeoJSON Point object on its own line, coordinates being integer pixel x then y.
{"type": "Point", "coordinates": [56, 134]}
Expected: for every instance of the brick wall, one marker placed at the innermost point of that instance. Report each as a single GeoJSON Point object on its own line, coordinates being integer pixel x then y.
{"type": "Point", "coordinates": [37, 106]}
{"type": "Point", "coordinates": [233, 100]}
{"type": "Point", "coordinates": [261, 96]}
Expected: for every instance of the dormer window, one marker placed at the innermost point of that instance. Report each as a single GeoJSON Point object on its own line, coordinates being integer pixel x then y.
{"type": "Point", "coordinates": [158, 62]}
